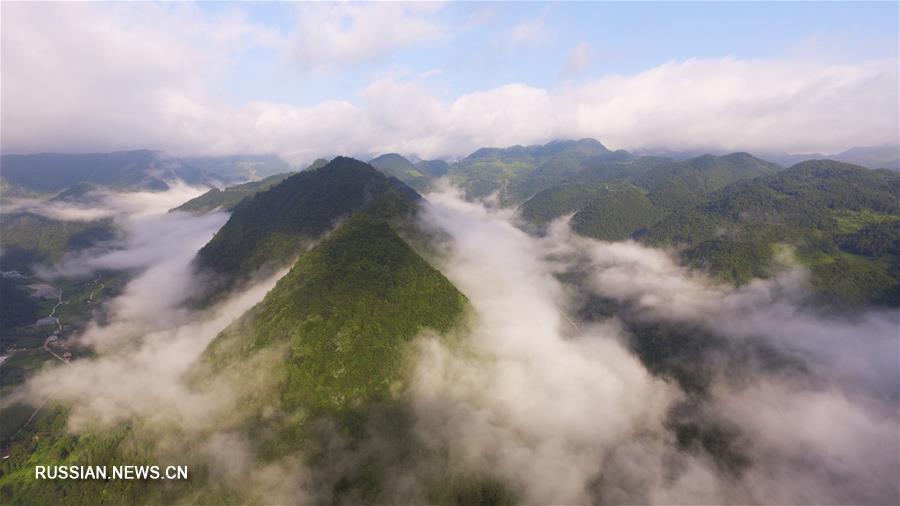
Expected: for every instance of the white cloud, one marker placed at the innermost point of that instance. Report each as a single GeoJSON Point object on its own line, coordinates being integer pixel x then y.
{"type": "Point", "coordinates": [580, 58]}
{"type": "Point", "coordinates": [530, 400]}
{"type": "Point", "coordinates": [330, 35]}
{"type": "Point", "coordinates": [92, 77]}
{"type": "Point", "coordinates": [526, 33]}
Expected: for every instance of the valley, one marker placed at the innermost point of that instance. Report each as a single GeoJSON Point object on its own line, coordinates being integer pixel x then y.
{"type": "Point", "coordinates": [340, 325]}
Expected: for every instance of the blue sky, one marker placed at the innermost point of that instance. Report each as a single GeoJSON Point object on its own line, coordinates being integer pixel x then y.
{"type": "Point", "coordinates": [623, 38]}
{"type": "Point", "coordinates": [439, 80]}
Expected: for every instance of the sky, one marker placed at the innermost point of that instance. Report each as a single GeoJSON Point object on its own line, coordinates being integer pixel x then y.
{"type": "Point", "coordinates": [439, 80]}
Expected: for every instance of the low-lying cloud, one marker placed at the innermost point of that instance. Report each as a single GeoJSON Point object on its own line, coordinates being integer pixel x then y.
{"type": "Point", "coordinates": [564, 412]}
{"type": "Point", "coordinates": [555, 405]}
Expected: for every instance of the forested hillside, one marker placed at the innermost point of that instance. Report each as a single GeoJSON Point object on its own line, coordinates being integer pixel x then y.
{"type": "Point", "coordinates": [271, 228]}
{"type": "Point", "coordinates": [30, 239]}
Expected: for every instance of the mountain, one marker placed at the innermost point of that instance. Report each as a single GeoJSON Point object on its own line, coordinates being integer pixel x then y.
{"type": "Point", "coordinates": [30, 239]}
{"type": "Point", "coordinates": [397, 166]}
{"type": "Point", "coordinates": [668, 184]}
{"type": "Point", "coordinates": [840, 220]}
{"type": "Point", "coordinates": [344, 311]}
{"type": "Point", "coordinates": [678, 184]}
{"type": "Point", "coordinates": [123, 170]}
{"type": "Point", "coordinates": [225, 200]}
{"type": "Point", "coordinates": [418, 175]}
{"type": "Point", "coordinates": [730, 214]}
{"type": "Point", "coordinates": [238, 167]}
{"type": "Point", "coordinates": [886, 156]}
{"type": "Point", "coordinates": [323, 360]}
{"type": "Point", "coordinates": [129, 170]}
{"type": "Point", "coordinates": [272, 227]}
{"type": "Point", "coordinates": [508, 171]}
{"type": "Point", "coordinates": [433, 168]}
{"type": "Point", "coordinates": [616, 214]}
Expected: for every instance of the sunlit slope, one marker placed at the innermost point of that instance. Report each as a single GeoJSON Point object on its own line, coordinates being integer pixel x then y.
{"type": "Point", "coordinates": [327, 357]}
{"type": "Point", "coordinates": [345, 313]}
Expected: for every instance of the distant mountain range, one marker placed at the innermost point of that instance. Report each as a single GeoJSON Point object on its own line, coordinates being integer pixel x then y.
{"type": "Point", "coordinates": [128, 170]}
{"type": "Point", "coordinates": [885, 156]}
{"type": "Point", "coordinates": [322, 365]}
{"type": "Point", "coordinates": [514, 173]}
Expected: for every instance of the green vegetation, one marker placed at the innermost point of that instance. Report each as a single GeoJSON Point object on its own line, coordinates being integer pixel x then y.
{"type": "Point", "coordinates": [323, 360]}
{"type": "Point", "coordinates": [728, 214]}
{"type": "Point", "coordinates": [31, 238]}
{"type": "Point", "coordinates": [558, 201]}
{"type": "Point", "coordinates": [345, 312]}
{"type": "Point", "coordinates": [518, 172]}
{"type": "Point", "coordinates": [271, 228]}
{"type": "Point", "coordinates": [335, 337]}
{"type": "Point", "coordinates": [616, 214]}
{"type": "Point", "coordinates": [225, 200]}
{"type": "Point", "coordinates": [397, 166]}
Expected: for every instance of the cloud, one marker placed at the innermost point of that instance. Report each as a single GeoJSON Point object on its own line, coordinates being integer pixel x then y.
{"type": "Point", "coordinates": [91, 77]}
{"type": "Point", "coordinates": [329, 36]}
{"type": "Point", "coordinates": [563, 412]}
{"type": "Point", "coordinates": [658, 288]}
{"type": "Point", "coordinates": [528, 32]}
{"type": "Point", "coordinates": [537, 405]}
{"type": "Point", "coordinates": [557, 407]}
{"type": "Point", "coordinates": [580, 58]}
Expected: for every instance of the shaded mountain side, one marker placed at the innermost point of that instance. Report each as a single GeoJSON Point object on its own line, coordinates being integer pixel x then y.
{"type": "Point", "coordinates": [227, 199]}
{"type": "Point", "coordinates": [30, 239]}
{"type": "Point", "coordinates": [272, 227]}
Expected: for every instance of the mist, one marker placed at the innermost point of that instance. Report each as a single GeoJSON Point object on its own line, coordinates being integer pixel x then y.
{"type": "Point", "coordinates": [557, 405]}
{"type": "Point", "coordinates": [562, 409]}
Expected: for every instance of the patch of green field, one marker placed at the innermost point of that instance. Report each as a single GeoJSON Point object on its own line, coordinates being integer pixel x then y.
{"type": "Point", "coordinates": [849, 221]}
